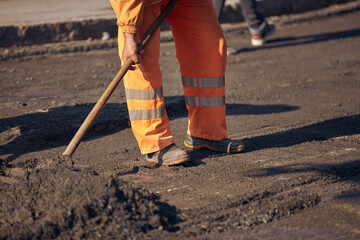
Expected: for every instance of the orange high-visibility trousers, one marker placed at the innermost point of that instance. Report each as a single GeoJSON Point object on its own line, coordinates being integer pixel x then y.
{"type": "Point", "coordinates": [201, 52]}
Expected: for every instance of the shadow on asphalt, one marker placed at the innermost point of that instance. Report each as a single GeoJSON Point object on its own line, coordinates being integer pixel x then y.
{"type": "Point", "coordinates": [345, 171]}
{"type": "Point", "coordinates": [348, 171]}
{"type": "Point", "coordinates": [352, 195]}
{"type": "Point", "coordinates": [247, 109]}
{"type": "Point", "coordinates": [337, 127]}
{"type": "Point", "coordinates": [293, 41]}
{"type": "Point", "coordinates": [55, 127]}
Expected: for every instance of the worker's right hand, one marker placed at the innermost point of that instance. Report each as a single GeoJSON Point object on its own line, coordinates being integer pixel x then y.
{"type": "Point", "coordinates": [130, 50]}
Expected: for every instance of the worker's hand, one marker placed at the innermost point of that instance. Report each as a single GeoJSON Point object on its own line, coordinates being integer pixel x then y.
{"type": "Point", "coordinates": [131, 50]}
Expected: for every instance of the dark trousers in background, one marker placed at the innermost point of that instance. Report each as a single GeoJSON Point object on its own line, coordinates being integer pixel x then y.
{"type": "Point", "coordinates": [254, 19]}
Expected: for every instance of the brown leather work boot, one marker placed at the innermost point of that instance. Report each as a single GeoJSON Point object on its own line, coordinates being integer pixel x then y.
{"type": "Point", "coordinates": [171, 155]}
{"type": "Point", "coordinates": [225, 146]}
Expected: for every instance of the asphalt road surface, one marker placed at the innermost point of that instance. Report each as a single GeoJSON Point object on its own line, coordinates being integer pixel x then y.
{"type": "Point", "coordinates": [295, 103]}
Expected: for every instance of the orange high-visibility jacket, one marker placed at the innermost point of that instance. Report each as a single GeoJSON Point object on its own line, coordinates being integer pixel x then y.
{"type": "Point", "coordinates": [201, 52]}
{"type": "Point", "coordinates": [130, 13]}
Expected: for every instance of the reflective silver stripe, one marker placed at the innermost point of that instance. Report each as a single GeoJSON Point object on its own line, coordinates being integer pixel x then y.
{"type": "Point", "coordinates": [189, 81]}
{"type": "Point", "coordinates": [203, 82]}
{"type": "Point", "coordinates": [146, 94]}
{"type": "Point", "coordinates": [212, 82]}
{"type": "Point", "coordinates": [192, 101]}
{"type": "Point", "coordinates": [146, 114]}
{"type": "Point", "coordinates": [212, 101]}
{"type": "Point", "coordinates": [205, 101]}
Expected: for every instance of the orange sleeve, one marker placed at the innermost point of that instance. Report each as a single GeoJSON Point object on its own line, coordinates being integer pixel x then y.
{"type": "Point", "coordinates": [129, 14]}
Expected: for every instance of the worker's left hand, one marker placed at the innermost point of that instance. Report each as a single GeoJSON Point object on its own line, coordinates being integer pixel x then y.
{"type": "Point", "coordinates": [131, 50]}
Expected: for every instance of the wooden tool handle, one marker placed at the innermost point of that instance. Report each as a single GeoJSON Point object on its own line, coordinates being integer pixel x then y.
{"type": "Point", "coordinates": [90, 119]}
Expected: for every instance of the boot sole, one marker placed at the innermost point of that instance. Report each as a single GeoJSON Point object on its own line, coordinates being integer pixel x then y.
{"type": "Point", "coordinates": [212, 149]}
{"type": "Point", "coordinates": [171, 163]}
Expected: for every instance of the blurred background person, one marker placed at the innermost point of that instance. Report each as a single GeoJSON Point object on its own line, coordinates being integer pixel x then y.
{"type": "Point", "coordinates": [258, 26]}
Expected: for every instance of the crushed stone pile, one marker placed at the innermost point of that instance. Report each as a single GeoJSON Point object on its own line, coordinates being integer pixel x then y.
{"type": "Point", "coordinates": [58, 201]}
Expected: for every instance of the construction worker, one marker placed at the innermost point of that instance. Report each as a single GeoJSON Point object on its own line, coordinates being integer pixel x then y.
{"type": "Point", "coordinates": [258, 26]}
{"type": "Point", "coordinates": [201, 52]}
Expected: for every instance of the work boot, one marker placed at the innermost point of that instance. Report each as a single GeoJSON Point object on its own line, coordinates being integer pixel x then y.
{"type": "Point", "coordinates": [226, 146]}
{"type": "Point", "coordinates": [260, 39]}
{"type": "Point", "coordinates": [171, 155]}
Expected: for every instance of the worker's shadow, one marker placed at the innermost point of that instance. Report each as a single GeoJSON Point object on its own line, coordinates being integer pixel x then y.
{"type": "Point", "coordinates": [330, 172]}
{"type": "Point", "coordinates": [345, 171]}
{"type": "Point", "coordinates": [322, 131]}
{"type": "Point", "coordinates": [55, 127]}
{"type": "Point", "coordinates": [293, 41]}
{"type": "Point", "coordinates": [337, 127]}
